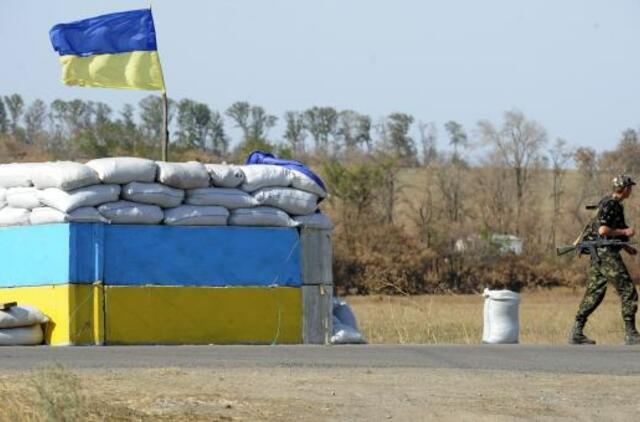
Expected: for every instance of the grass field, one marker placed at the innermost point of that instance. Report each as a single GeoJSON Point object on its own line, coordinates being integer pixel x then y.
{"type": "Point", "coordinates": [546, 317]}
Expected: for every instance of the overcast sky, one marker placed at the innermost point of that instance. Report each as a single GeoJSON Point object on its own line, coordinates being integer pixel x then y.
{"type": "Point", "coordinates": [572, 65]}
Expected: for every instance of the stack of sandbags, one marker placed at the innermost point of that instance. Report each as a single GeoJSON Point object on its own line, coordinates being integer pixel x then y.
{"type": "Point", "coordinates": [127, 190]}
{"type": "Point", "coordinates": [21, 326]}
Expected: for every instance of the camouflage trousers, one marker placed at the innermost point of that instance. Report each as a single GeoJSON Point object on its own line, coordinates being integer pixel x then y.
{"type": "Point", "coordinates": [610, 269]}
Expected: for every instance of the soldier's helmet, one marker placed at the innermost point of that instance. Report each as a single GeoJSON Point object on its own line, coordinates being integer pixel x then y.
{"type": "Point", "coordinates": [622, 181]}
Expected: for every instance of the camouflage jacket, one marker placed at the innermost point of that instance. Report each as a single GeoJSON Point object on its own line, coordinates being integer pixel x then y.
{"type": "Point", "coordinates": [611, 214]}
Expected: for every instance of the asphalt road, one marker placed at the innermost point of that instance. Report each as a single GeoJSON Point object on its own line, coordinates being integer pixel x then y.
{"type": "Point", "coordinates": [618, 360]}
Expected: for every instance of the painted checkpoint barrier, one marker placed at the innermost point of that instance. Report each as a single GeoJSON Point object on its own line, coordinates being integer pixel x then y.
{"type": "Point", "coordinates": [141, 284]}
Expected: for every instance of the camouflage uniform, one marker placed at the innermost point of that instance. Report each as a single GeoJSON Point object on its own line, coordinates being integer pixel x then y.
{"type": "Point", "coordinates": [611, 268]}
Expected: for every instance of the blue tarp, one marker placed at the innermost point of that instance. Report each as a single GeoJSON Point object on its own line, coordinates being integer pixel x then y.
{"type": "Point", "coordinates": [261, 157]}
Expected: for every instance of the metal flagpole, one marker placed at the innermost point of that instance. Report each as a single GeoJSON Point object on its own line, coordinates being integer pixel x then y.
{"type": "Point", "coordinates": [165, 116]}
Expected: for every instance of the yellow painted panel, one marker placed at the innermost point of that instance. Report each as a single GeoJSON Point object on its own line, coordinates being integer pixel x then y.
{"type": "Point", "coordinates": [69, 307]}
{"type": "Point", "coordinates": [202, 315]}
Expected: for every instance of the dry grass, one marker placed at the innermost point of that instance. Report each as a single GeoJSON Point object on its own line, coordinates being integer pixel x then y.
{"type": "Point", "coordinates": [545, 318]}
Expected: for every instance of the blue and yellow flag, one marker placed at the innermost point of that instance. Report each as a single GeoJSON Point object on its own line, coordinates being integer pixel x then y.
{"type": "Point", "coordinates": [117, 50]}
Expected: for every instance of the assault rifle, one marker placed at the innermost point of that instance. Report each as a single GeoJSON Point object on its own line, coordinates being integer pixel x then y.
{"type": "Point", "coordinates": [591, 246]}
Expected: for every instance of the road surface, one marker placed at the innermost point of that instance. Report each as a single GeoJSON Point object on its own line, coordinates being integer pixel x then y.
{"type": "Point", "coordinates": [610, 360]}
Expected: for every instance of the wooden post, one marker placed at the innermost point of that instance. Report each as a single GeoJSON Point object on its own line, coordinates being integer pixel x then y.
{"type": "Point", "coordinates": [165, 127]}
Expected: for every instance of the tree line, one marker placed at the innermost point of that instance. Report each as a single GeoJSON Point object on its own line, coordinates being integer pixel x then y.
{"type": "Point", "coordinates": [411, 215]}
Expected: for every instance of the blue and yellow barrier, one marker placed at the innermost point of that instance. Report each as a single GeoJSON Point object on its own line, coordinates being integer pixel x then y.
{"type": "Point", "coordinates": [118, 284]}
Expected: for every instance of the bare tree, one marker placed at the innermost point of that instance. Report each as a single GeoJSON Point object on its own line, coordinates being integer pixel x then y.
{"type": "Point", "coordinates": [518, 144]}
{"type": "Point", "coordinates": [35, 119]}
{"type": "Point", "coordinates": [428, 139]}
{"type": "Point", "coordinates": [559, 156]}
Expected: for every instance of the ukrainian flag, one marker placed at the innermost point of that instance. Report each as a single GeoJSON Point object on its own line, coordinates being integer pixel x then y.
{"type": "Point", "coordinates": [117, 50]}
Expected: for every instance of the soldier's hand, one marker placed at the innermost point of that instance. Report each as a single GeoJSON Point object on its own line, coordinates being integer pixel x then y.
{"type": "Point", "coordinates": [630, 250]}
{"type": "Point", "coordinates": [629, 231]}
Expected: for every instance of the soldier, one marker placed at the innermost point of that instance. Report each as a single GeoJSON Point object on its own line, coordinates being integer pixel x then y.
{"type": "Point", "coordinates": [609, 223]}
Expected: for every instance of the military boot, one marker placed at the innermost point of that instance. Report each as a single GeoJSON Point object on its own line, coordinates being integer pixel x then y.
{"type": "Point", "coordinates": [631, 335]}
{"type": "Point", "coordinates": [577, 336]}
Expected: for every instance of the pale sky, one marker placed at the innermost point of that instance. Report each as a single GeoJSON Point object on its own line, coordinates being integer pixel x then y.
{"type": "Point", "coordinates": [572, 65]}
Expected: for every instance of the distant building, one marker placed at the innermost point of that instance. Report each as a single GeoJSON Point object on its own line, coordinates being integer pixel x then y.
{"type": "Point", "coordinates": [507, 243]}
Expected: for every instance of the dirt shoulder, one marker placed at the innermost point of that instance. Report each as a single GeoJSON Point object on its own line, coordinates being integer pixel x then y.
{"type": "Point", "coordinates": [287, 394]}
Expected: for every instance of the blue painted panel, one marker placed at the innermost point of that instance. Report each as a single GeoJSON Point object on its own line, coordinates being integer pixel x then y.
{"type": "Point", "coordinates": [153, 255]}
{"type": "Point", "coordinates": [33, 256]}
{"type": "Point", "coordinates": [201, 256]}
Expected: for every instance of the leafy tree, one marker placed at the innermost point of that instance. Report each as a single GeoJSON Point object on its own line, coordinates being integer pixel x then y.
{"type": "Point", "coordinates": [15, 105]}
{"type": "Point", "coordinates": [396, 140]}
{"type": "Point", "coordinates": [254, 121]}
{"type": "Point", "coordinates": [4, 122]}
{"type": "Point", "coordinates": [295, 134]}
{"type": "Point", "coordinates": [353, 130]}
{"type": "Point", "coordinates": [457, 137]}
{"type": "Point", "coordinates": [35, 119]}
{"type": "Point", "coordinates": [240, 112]}
{"type": "Point", "coordinates": [321, 122]}
{"type": "Point", "coordinates": [151, 117]}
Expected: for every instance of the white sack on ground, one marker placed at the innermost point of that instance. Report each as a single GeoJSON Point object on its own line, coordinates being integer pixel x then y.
{"type": "Point", "coordinates": [225, 197]}
{"type": "Point", "coordinates": [225, 176]}
{"type": "Point", "coordinates": [125, 212]}
{"type": "Point", "coordinates": [10, 216]}
{"type": "Point", "coordinates": [23, 198]}
{"type": "Point", "coordinates": [153, 193]}
{"type": "Point", "coordinates": [260, 216]}
{"type": "Point", "coordinates": [343, 334]}
{"type": "Point", "coordinates": [48, 215]}
{"type": "Point", "coordinates": [15, 175]}
{"type": "Point", "coordinates": [343, 312]}
{"type": "Point", "coordinates": [315, 221]}
{"type": "Point", "coordinates": [303, 182]}
{"type": "Point", "coordinates": [190, 175]}
{"type": "Point", "coordinates": [22, 336]}
{"type": "Point", "coordinates": [501, 316]}
{"type": "Point", "coordinates": [123, 170]}
{"type": "Point", "coordinates": [258, 176]}
{"type": "Point", "coordinates": [196, 215]}
{"type": "Point", "coordinates": [65, 175]}
{"type": "Point", "coordinates": [89, 196]}
{"type": "Point", "coordinates": [21, 316]}
{"type": "Point", "coordinates": [291, 200]}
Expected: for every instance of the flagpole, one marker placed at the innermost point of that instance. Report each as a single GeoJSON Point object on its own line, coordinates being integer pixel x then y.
{"type": "Point", "coordinates": [165, 116]}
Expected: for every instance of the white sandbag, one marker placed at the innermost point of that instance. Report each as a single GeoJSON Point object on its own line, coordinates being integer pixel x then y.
{"type": "Point", "coordinates": [23, 198]}
{"type": "Point", "coordinates": [153, 193]}
{"type": "Point", "coordinates": [303, 182]}
{"type": "Point", "coordinates": [123, 170]}
{"type": "Point", "coordinates": [21, 316]}
{"type": "Point", "coordinates": [343, 312]}
{"type": "Point", "coordinates": [196, 215]}
{"type": "Point", "coordinates": [125, 212]}
{"type": "Point", "coordinates": [343, 334]}
{"type": "Point", "coordinates": [315, 221]}
{"type": "Point", "coordinates": [22, 336]}
{"type": "Point", "coordinates": [10, 216]}
{"type": "Point", "coordinates": [293, 201]}
{"type": "Point", "coordinates": [88, 196]}
{"type": "Point", "coordinates": [65, 175]}
{"type": "Point", "coordinates": [260, 216]}
{"type": "Point", "coordinates": [48, 215]}
{"type": "Point", "coordinates": [501, 316]}
{"type": "Point", "coordinates": [225, 176]}
{"type": "Point", "coordinates": [190, 175]}
{"type": "Point", "coordinates": [225, 197]}
{"type": "Point", "coordinates": [3, 195]}
{"type": "Point", "coordinates": [15, 175]}
{"type": "Point", "coordinates": [258, 176]}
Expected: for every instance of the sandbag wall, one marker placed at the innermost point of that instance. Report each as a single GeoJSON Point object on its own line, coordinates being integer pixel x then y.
{"type": "Point", "coordinates": [191, 280]}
